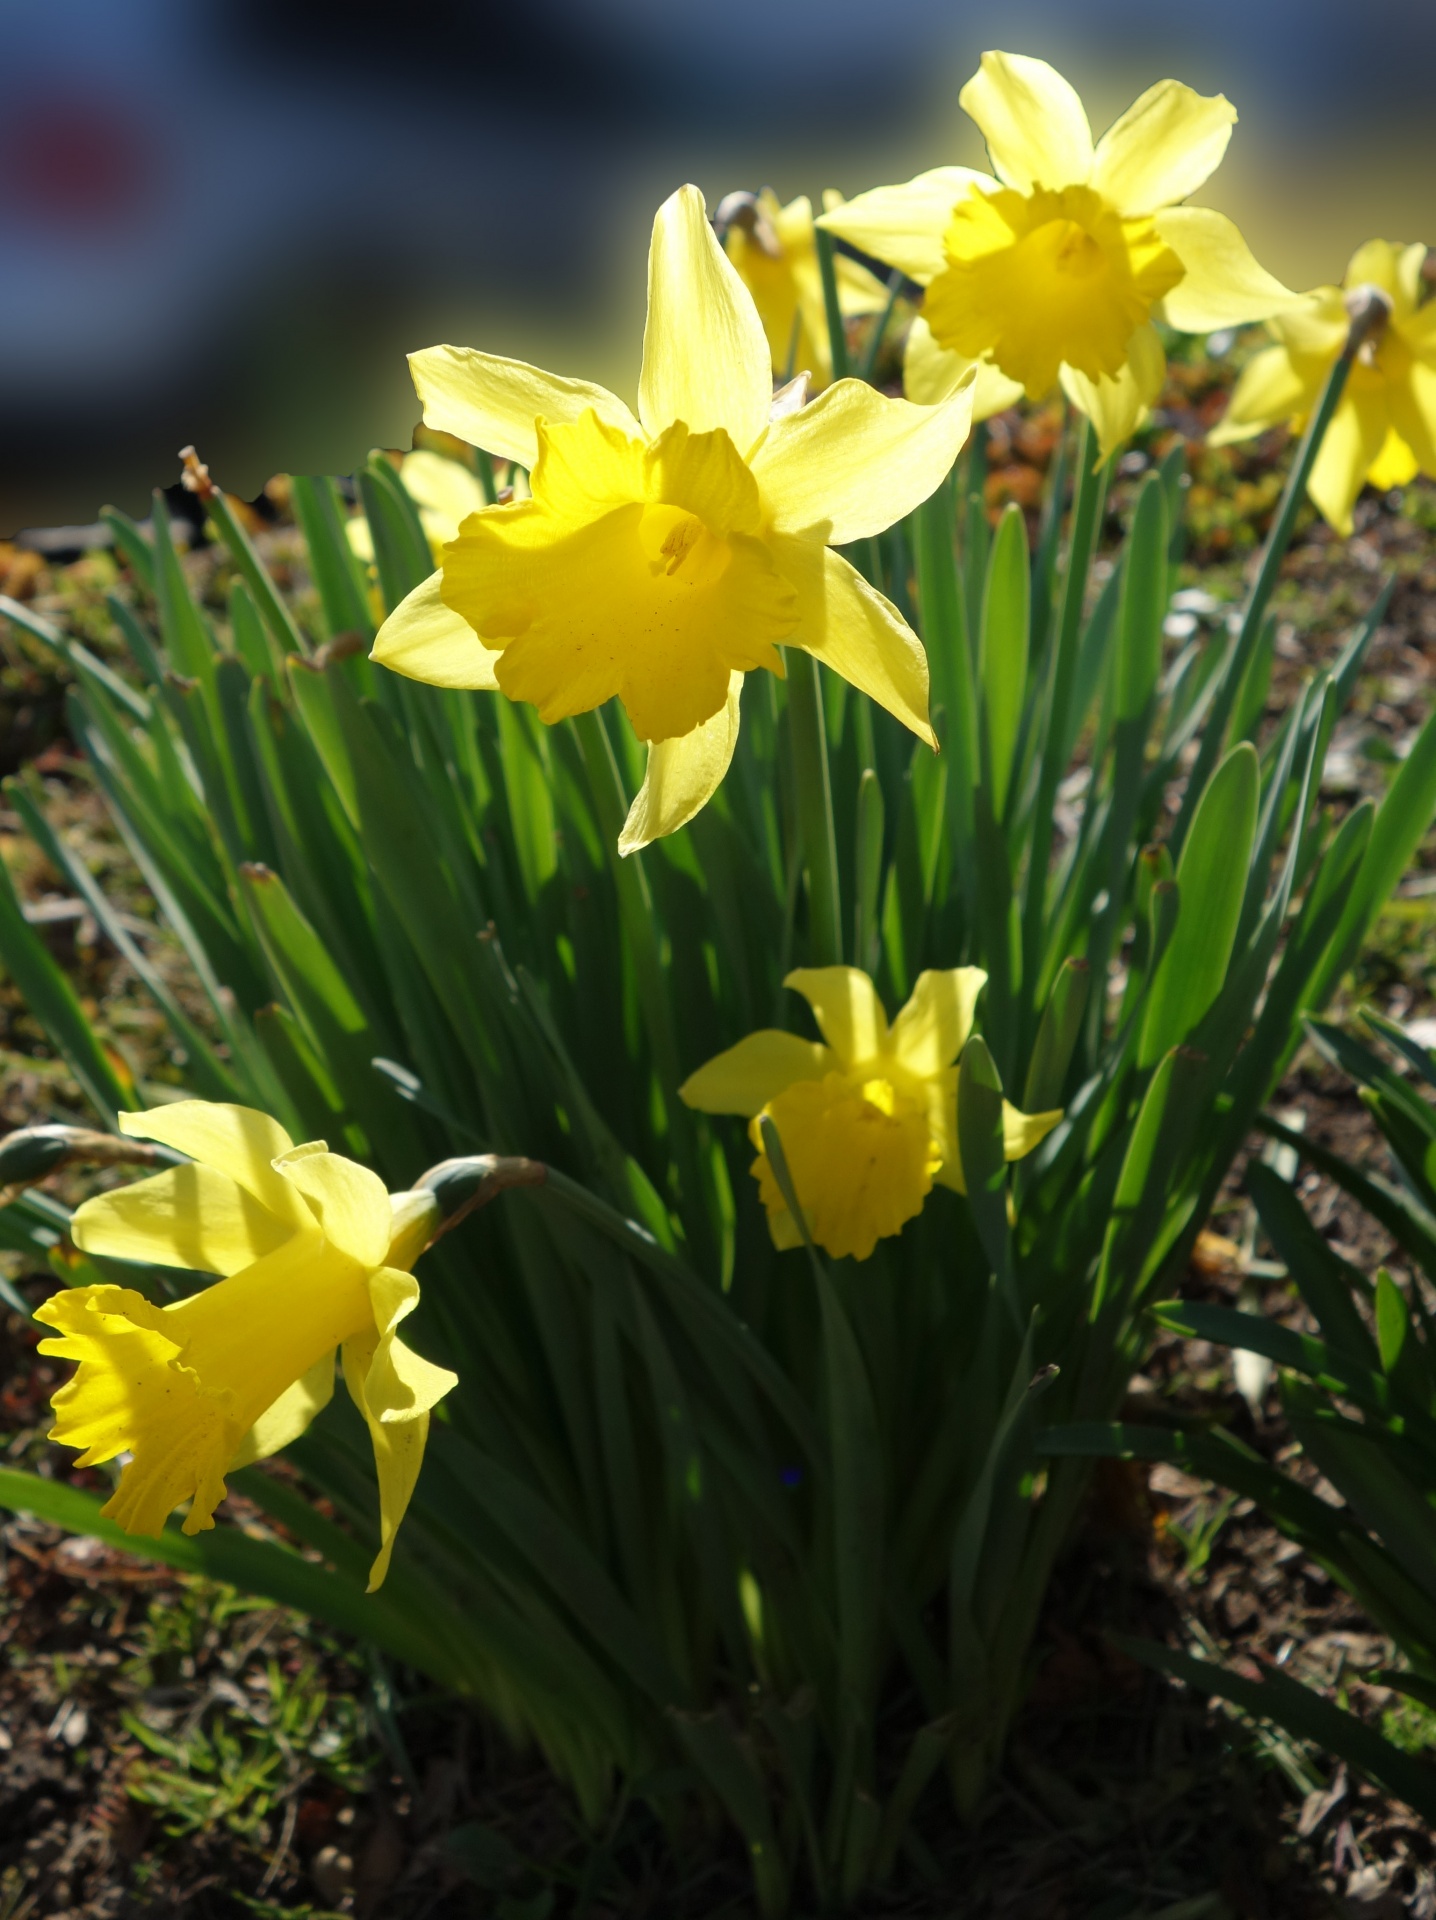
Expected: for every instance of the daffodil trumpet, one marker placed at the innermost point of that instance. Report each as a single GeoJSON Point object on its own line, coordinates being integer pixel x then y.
{"type": "Point", "coordinates": [666, 554]}
{"type": "Point", "coordinates": [1054, 268]}
{"type": "Point", "coordinates": [313, 1256]}
{"type": "Point", "coordinates": [1379, 424]}
{"type": "Point", "coordinates": [867, 1115]}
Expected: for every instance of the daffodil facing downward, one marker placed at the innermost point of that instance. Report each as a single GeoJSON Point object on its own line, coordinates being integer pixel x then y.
{"type": "Point", "coordinates": [315, 1257]}
{"type": "Point", "coordinates": [775, 251]}
{"type": "Point", "coordinates": [868, 1115]}
{"type": "Point", "coordinates": [1384, 427]}
{"type": "Point", "coordinates": [662, 557]}
{"type": "Point", "coordinates": [1054, 271]}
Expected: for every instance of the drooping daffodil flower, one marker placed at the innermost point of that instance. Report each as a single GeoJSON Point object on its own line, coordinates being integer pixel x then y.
{"type": "Point", "coordinates": [775, 251]}
{"type": "Point", "coordinates": [1054, 271]}
{"type": "Point", "coordinates": [1384, 427]}
{"type": "Point", "coordinates": [444, 492]}
{"type": "Point", "coordinates": [663, 556]}
{"type": "Point", "coordinates": [315, 1257]}
{"type": "Point", "coordinates": [868, 1115]}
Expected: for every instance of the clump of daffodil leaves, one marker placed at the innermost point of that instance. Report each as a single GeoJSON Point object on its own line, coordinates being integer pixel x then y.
{"type": "Point", "coordinates": [1053, 272]}
{"type": "Point", "coordinates": [663, 556]}
{"type": "Point", "coordinates": [315, 1257]}
{"type": "Point", "coordinates": [868, 1115]}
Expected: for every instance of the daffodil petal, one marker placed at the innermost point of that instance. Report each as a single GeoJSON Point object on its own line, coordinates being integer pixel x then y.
{"type": "Point", "coordinates": [1117, 407]}
{"type": "Point", "coordinates": [705, 355]}
{"type": "Point", "coordinates": [850, 627]}
{"type": "Point", "coordinates": [394, 1389]}
{"type": "Point", "coordinates": [494, 403]}
{"type": "Point", "coordinates": [1272, 389]}
{"type": "Point", "coordinates": [426, 640]}
{"type": "Point", "coordinates": [1223, 286]}
{"type": "Point", "coordinates": [1162, 148]}
{"type": "Point", "coordinates": [442, 488]}
{"type": "Point", "coordinates": [683, 775]}
{"type": "Point", "coordinates": [1021, 1132]}
{"type": "Point", "coordinates": [1374, 264]}
{"type": "Point", "coordinates": [238, 1141]}
{"type": "Point", "coordinates": [855, 461]}
{"type": "Point", "coordinates": [290, 1416]}
{"type": "Point", "coordinates": [932, 1029]}
{"type": "Point", "coordinates": [931, 373]}
{"type": "Point", "coordinates": [903, 225]}
{"type": "Point", "coordinates": [350, 1203]}
{"type": "Point", "coordinates": [1032, 120]}
{"type": "Point", "coordinates": [1410, 273]}
{"type": "Point", "coordinates": [745, 1078]}
{"type": "Point", "coordinates": [191, 1216]}
{"type": "Point", "coordinates": [848, 1011]}
{"type": "Point", "coordinates": [1353, 441]}
{"type": "Point", "coordinates": [1413, 414]}
{"type": "Point", "coordinates": [1395, 466]}
{"type": "Point", "coordinates": [413, 1221]}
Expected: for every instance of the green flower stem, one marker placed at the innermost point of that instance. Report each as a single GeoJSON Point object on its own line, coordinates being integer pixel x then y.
{"type": "Point", "coordinates": [640, 923]}
{"type": "Point", "coordinates": [827, 270]}
{"type": "Point", "coordinates": [815, 809]}
{"type": "Point", "coordinates": [1368, 316]}
{"type": "Point", "coordinates": [874, 346]}
{"type": "Point", "coordinates": [1090, 491]}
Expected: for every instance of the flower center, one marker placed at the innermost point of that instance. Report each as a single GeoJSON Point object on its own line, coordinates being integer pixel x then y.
{"type": "Point", "coordinates": [636, 570]}
{"type": "Point", "coordinates": [860, 1154]}
{"type": "Point", "coordinates": [1042, 279]}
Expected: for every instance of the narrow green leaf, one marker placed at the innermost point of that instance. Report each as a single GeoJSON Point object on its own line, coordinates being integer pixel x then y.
{"type": "Point", "coordinates": [1211, 885]}
{"type": "Point", "coordinates": [1002, 650]}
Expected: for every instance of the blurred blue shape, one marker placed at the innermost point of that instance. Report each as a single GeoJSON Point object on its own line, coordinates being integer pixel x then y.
{"type": "Point", "coordinates": [224, 220]}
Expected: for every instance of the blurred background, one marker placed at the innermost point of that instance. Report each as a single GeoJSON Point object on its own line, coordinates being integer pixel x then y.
{"type": "Point", "coordinates": [225, 221]}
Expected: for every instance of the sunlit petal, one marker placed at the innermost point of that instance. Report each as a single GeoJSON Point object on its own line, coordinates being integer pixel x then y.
{"type": "Point", "coordinates": [235, 1140]}
{"type": "Point", "coordinates": [291, 1415]}
{"type": "Point", "coordinates": [1273, 387]}
{"type": "Point", "coordinates": [705, 355]}
{"type": "Point", "coordinates": [350, 1203]}
{"type": "Point", "coordinates": [683, 775]}
{"type": "Point", "coordinates": [394, 1388]}
{"type": "Point", "coordinates": [426, 640]}
{"type": "Point", "coordinates": [931, 373]}
{"type": "Point", "coordinates": [850, 627]}
{"type": "Point", "coordinates": [192, 1216]}
{"type": "Point", "coordinates": [1032, 120]}
{"type": "Point", "coordinates": [1162, 148]}
{"type": "Point", "coordinates": [1413, 415]}
{"type": "Point", "coordinates": [849, 1014]}
{"type": "Point", "coordinates": [494, 403]}
{"type": "Point", "coordinates": [1353, 440]}
{"type": "Point", "coordinates": [1116, 407]}
{"type": "Point", "coordinates": [745, 1078]}
{"type": "Point", "coordinates": [1222, 286]}
{"type": "Point", "coordinates": [903, 225]}
{"type": "Point", "coordinates": [855, 461]}
{"type": "Point", "coordinates": [932, 1029]}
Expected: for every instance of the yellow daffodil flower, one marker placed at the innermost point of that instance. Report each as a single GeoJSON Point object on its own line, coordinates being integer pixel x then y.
{"type": "Point", "coordinates": [1384, 427]}
{"type": "Point", "coordinates": [444, 492]}
{"type": "Point", "coordinates": [315, 1256]}
{"type": "Point", "coordinates": [1055, 270]}
{"type": "Point", "coordinates": [662, 557]}
{"type": "Point", "coordinates": [775, 251]}
{"type": "Point", "coordinates": [868, 1115]}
